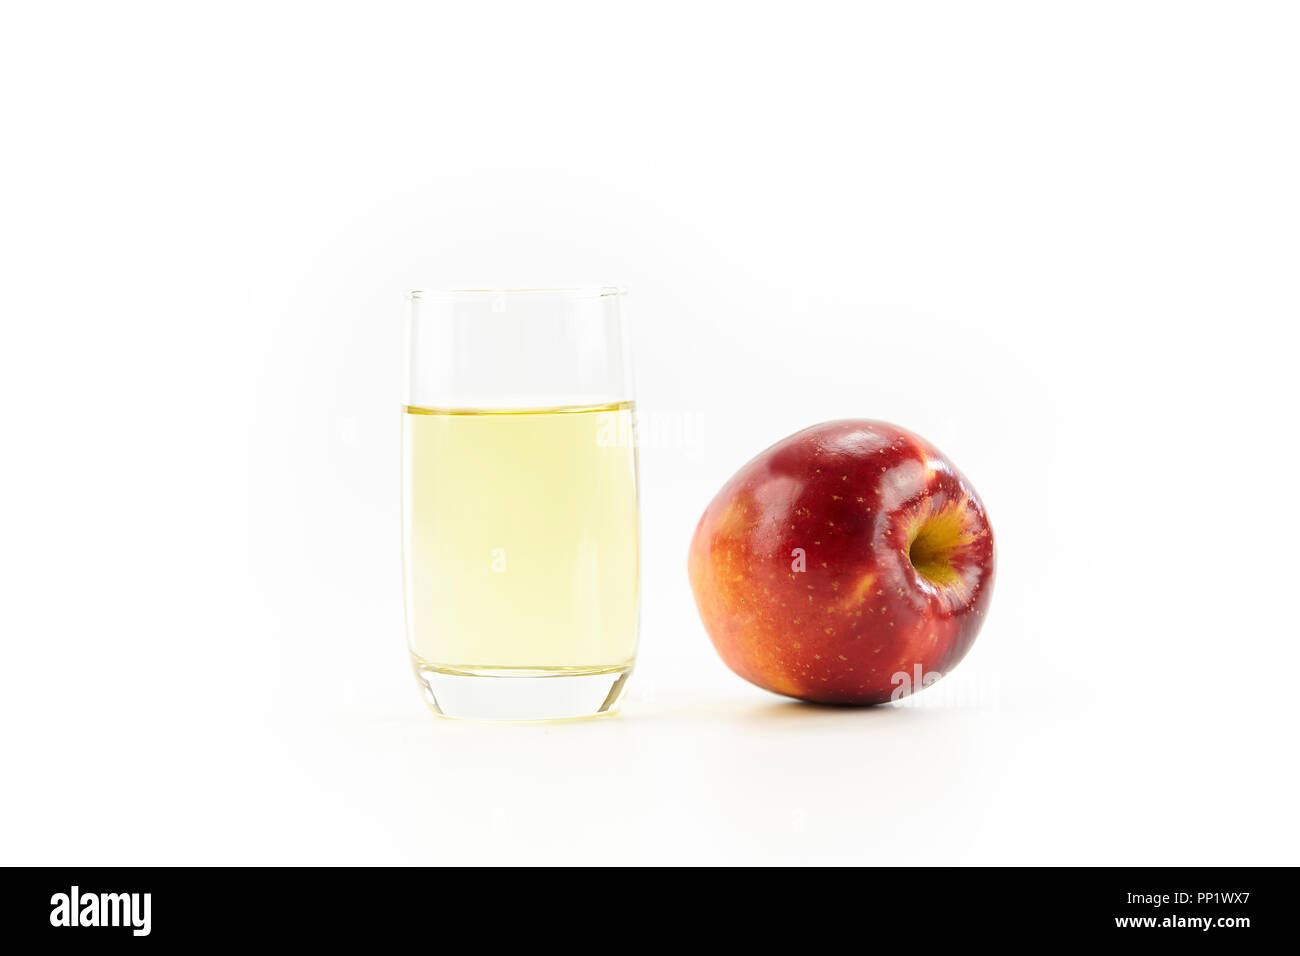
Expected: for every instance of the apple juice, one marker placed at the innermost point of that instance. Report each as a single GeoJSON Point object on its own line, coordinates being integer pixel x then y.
{"type": "Point", "coordinates": [520, 539]}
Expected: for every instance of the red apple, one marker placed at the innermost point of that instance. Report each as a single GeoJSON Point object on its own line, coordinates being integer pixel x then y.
{"type": "Point", "coordinates": [850, 563]}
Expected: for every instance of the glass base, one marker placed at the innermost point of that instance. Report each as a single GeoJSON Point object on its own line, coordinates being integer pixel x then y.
{"type": "Point", "coordinates": [521, 693]}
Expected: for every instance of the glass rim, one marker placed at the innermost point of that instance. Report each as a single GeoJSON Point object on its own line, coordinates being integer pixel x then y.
{"type": "Point", "coordinates": [576, 292]}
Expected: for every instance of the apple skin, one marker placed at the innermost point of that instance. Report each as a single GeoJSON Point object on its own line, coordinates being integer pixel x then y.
{"type": "Point", "coordinates": [897, 567]}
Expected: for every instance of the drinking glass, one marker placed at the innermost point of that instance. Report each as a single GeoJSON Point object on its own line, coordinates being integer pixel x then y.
{"type": "Point", "coordinates": [519, 502]}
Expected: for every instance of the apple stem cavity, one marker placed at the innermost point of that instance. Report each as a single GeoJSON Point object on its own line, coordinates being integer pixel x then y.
{"type": "Point", "coordinates": [933, 543]}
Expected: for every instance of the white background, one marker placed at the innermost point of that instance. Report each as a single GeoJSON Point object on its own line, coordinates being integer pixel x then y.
{"type": "Point", "coordinates": [1058, 240]}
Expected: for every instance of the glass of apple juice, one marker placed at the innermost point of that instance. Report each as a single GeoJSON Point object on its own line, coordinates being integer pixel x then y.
{"type": "Point", "coordinates": [519, 502]}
